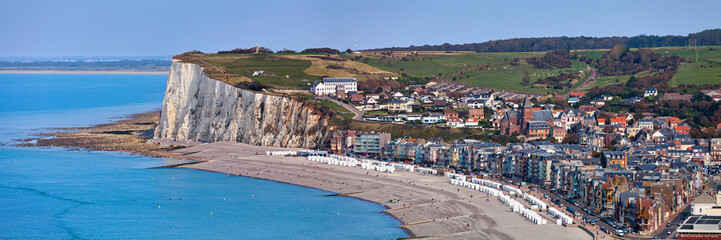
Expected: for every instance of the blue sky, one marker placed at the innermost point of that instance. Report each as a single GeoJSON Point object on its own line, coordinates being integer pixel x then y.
{"type": "Point", "coordinates": [164, 27]}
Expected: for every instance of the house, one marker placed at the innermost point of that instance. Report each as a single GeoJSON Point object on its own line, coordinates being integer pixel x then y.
{"type": "Point", "coordinates": [621, 121]}
{"type": "Point", "coordinates": [371, 100]}
{"type": "Point", "coordinates": [614, 157]}
{"type": "Point", "coordinates": [631, 100]}
{"type": "Point", "coordinates": [439, 104]}
{"type": "Point", "coordinates": [588, 109]}
{"type": "Point", "coordinates": [598, 102]}
{"type": "Point", "coordinates": [573, 100]}
{"type": "Point", "coordinates": [450, 113]}
{"type": "Point", "coordinates": [455, 122]}
{"type": "Point", "coordinates": [714, 94]}
{"type": "Point", "coordinates": [356, 98]}
{"type": "Point", "coordinates": [475, 104]}
{"type": "Point", "coordinates": [558, 133]}
{"type": "Point", "coordinates": [476, 113]}
{"type": "Point", "coordinates": [538, 129]}
{"type": "Point", "coordinates": [677, 97]}
{"type": "Point", "coordinates": [606, 97]}
{"type": "Point", "coordinates": [601, 121]}
{"type": "Point", "coordinates": [329, 86]}
{"type": "Point", "coordinates": [399, 105]}
{"type": "Point", "coordinates": [471, 122]}
{"type": "Point", "coordinates": [432, 118]}
{"type": "Point", "coordinates": [650, 92]}
{"type": "Point", "coordinates": [577, 94]}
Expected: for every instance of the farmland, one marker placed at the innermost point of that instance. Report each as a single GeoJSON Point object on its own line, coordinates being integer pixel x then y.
{"type": "Point", "coordinates": [706, 70]}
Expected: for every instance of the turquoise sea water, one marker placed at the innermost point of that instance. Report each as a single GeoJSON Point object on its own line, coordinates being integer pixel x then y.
{"type": "Point", "coordinates": [55, 193]}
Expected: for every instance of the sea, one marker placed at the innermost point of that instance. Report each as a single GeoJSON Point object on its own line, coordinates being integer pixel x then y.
{"type": "Point", "coordinates": [66, 193]}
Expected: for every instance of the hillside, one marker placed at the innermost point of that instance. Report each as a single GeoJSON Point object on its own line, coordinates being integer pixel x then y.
{"type": "Point", "coordinates": [495, 70]}
{"type": "Point", "coordinates": [707, 37]}
{"type": "Point", "coordinates": [707, 70]}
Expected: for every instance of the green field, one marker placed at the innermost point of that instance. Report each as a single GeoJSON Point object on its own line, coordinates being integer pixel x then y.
{"type": "Point", "coordinates": [275, 69]}
{"type": "Point", "coordinates": [706, 70]}
{"type": "Point", "coordinates": [508, 77]}
{"type": "Point", "coordinates": [430, 65]}
{"type": "Point", "coordinates": [592, 54]}
{"type": "Point", "coordinates": [481, 69]}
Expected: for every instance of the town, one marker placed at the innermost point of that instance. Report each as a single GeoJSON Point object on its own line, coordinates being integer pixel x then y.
{"type": "Point", "coordinates": [628, 173]}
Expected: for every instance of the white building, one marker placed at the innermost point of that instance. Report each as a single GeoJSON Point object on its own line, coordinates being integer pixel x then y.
{"type": "Point", "coordinates": [329, 86]}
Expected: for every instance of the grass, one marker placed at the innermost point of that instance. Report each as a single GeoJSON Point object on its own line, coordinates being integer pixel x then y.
{"type": "Point", "coordinates": [279, 72]}
{"type": "Point", "coordinates": [697, 74]}
{"type": "Point", "coordinates": [344, 112]}
{"type": "Point", "coordinates": [508, 78]}
{"type": "Point", "coordinates": [592, 54]}
{"type": "Point", "coordinates": [706, 70]}
{"type": "Point", "coordinates": [430, 64]}
{"type": "Point", "coordinates": [480, 69]}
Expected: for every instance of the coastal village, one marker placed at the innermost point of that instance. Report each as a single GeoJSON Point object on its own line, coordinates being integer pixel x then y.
{"type": "Point", "coordinates": [624, 173]}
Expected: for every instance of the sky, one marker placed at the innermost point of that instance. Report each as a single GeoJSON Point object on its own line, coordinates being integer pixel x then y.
{"type": "Point", "coordinates": [50, 28]}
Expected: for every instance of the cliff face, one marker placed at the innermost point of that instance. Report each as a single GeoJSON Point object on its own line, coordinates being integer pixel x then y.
{"type": "Point", "coordinates": [199, 108]}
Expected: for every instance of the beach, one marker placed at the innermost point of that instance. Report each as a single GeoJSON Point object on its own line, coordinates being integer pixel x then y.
{"type": "Point", "coordinates": [427, 205]}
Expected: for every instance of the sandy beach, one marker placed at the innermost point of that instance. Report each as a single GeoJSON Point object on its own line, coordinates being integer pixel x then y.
{"type": "Point", "coordinates": [429, 206]}
{"type": "Point", "coordinates": [122, 72]}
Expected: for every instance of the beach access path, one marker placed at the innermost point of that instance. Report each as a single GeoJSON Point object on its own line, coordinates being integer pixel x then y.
{"type": "Point", "coordinates": [429, 206]}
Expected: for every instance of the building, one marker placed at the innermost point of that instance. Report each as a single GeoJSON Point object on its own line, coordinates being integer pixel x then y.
{"type": "Point", "coordinates": [538, 129]}
{"type": "Point", "coordinates": [573, 100]}
{"type": "Point", "coordinates": [677, 97]}
{"type": "Point", "coordinates": [450, 113]}
{"type": "Point", "coordinates": [700, 227]}
{"type": "Point", "coordinates": [399, 105]}
{"type": "Point", "coordinates": [331, 86]}
{"type": "Point", "coordinates": [650, 92]}
{"type": "Point", "coordinates": [370, 143]}
{"type": "Point", "coordinates": [577, 94]}
{"type": "Point", "coordinates": [476, 113]}
{"type": "Point", "coordinates": [715, 152]}
{"type": "Point", "coordinates": [355, 98]}
{"type": "Point", "coordinates": [614, 157]}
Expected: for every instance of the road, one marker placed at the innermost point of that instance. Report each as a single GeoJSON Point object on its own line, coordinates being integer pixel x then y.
{"type": "Point", "coordinates": [578, 209]}
{"type": "Point", "coordinates": [594, 74]}
{"type": "Point", "coordinates": [674, 224]}
{"type": "Point", "coordinates": [358, 113]}
{"type": "Point", "coordinates": [661, 233]}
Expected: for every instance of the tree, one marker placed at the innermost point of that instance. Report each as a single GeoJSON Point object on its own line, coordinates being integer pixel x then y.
{"type": "Point", "coordinates": [526, 79]}
{"type": "Point", "coordinates": [570, 138]}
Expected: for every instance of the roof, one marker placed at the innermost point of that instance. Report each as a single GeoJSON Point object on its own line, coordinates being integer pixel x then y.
{"type": "Point", "coordinates": [325, 80]}
{"type": "Point", "coordinates": [676, 96]}
{"type": "Point", "coordinates": [538, 125]}
{"type": "Point", "coordinates": [577, 94]}
{"type": "Point", "coordinates": [449, 111]}
{"type": "Point", "coordinates": [542, 115]}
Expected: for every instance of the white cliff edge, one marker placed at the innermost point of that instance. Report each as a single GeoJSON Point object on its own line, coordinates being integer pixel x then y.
{"type": "Point", "coordinates": [198, 108]}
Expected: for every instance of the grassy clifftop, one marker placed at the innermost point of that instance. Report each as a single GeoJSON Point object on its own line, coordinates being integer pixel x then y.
{"type": "Point", "coordinates": [280, 71]}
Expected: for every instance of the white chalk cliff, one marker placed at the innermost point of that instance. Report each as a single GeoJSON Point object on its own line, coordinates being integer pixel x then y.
{"type": "Point", "coordinates": [199, 108]}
